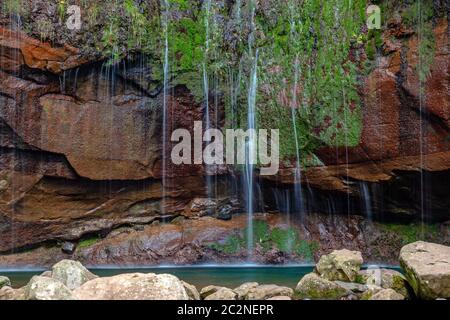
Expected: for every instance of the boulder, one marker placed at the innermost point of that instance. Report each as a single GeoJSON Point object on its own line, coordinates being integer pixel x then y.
{"type": "Point", "coordinates": [68, 247]}
{"type": "Point", "coordinates": [134, 286]}
{"type": "Point", "coordinates": [209, 290]}
{"type": "Point", "coordinates": [280, 298]}
{"type": "Point", "coordinates": [8, 293]}
{"type": "Point", "coordinates": [313, 286]}
{"type": "Point", "coordinates": [387, 294]}
{"type": "Point", "coordinates": [223, 294]}
{"type": "Point", "coordinates": [265, 292]}
{"type": "Point", "coordinates": [427, 269]}
{"type": "Point", "coordinates": [71, 273]}
{"type": "Point", "coordinates": [243, 289]}
{"type": "Point", "coordinates": [44, 288]}
{"type": "Point", "coordinates": [371, 291]}
{"type": "Point", "coordinates": [342, 265]}
{"type": "Point", "coordinates": [4, 282]}
{"type": "Point", "coordinates": [191, 291]}
{"type": "Point", "coordinates": [388, 279]}
{"type": "Point", "coordinates": [47, 273]}
{"type": "Point", "coordinates": [356, 288]}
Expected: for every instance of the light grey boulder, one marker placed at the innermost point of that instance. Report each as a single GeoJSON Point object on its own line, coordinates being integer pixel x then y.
{"type": "Point", "coordinates": [342, 265]}
{"type": "Point", "coordinates": [209, 290]}
{"type": "Point", "coordinates": [387, 294]}
{"type": "Point", "coordinates": [44, 288]}
{"type": "Point", "coordinates": [243, 289]}
{"type": "Point", "coordinates": [371, 291]}
{"type": "Point", "coordinates": [223, 294]}
{"type": "Point", "coordinates": [356, 288]}
{"type": "Point", "coordinates": [264, 292]}
{"type": "Point", "coordinates": [71, 273]}
{"type": "Point", "coordinates": [312, 286]}
{"type": "Point", "coordinates": [427, 269]}
{"type": "Point", "coordinates": [280, 298]}
{"type": "Point", "coordinates": [134, 286]}
{"type": "Point", "coordinates": [8, 293]}
{"type": "Point", "coordinates": [47, 273]}
{"type": "Point", "coordinates": [191, 291]}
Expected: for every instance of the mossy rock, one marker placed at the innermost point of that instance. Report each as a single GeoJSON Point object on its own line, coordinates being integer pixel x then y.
{"type": "Point", "coordinates": [342, 265]}
{"type": "Point", "coordinates": [312, 286]}
{"type": "Point", "coordinates": [4, 282]}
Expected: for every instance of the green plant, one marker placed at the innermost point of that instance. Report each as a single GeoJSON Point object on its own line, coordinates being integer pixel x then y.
{"type": "Point", "coordinates": [419, 16]}
{"type": "Point", "coordinates": [307, 249]}
{"type": "Point", "coordinates": [62, 9]}
{"type": "Point", "coordinates": [92, 13]}
{"type": "Point", "coordinates": [17, 7]}
{"type": "Point", "coordinates": [45, 29]}
{"type": "Point", "coordinates": [110, 39]}
{"type": "Point", "coordinates": [284, 239]}
{"type": "Point", "coordinates": [232, 245]}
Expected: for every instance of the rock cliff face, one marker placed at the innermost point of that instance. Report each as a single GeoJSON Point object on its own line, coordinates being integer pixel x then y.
{"type": "Point", "coordinates": [81, 148]}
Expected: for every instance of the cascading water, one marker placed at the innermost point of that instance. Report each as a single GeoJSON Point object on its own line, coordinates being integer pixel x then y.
{"type": "Point", "coordinates": [165, 102]}
{"type": "Point", "coordinates": [366, 200]}
{"type": "Point", "coordinates": [421, 113]}
{"type": "Point", "coordinates": [207, 118]}
{"type": "Point", "coordinates": [298, 171]}
{"type": "Point", "coordinates": [251, 153]}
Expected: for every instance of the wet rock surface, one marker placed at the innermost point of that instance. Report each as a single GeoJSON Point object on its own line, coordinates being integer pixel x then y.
{"type": "Point", "coordinates": [210, 240]}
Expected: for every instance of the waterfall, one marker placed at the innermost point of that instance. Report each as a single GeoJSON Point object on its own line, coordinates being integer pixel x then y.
{"type": "Point", "coordinates": [251, 153]}
{"type": "Point", "coordinates": [421, 111]}
{"type": "Point", "coordinates": [298, 170]}
{"type": "Point", "coordinates": [15, 24]}
{"type": "Point", "coordinates": [165, 103]}
{"type": "Point", "coordinates": [207, 5]}
{"type": "Point", "coordinates": [366, 200]}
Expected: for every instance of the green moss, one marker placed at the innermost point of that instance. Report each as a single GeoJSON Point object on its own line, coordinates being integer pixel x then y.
{"type": "Point", "coordinates": [232, 245]}
{"type": "Point", "coordinates": [328, 105]}
{"type": "Point", "coordinates": [318, 37]}
{"type": "Point", "coordinates": [86, 243]}
{"type": "Point", "coordinates": [186, 44]}
{"type": "Point", "coordinates": [285, 240]}
{"type": "Point", "coordinates": [412, 232]}
{"type": "Point", "coordinates": [419, 16]}
{"type": "Point", "coordinates": [374, 43]}
{"type": "Point", "coordinates": [306, 249]}
{"type": "Point", "coordinates": [360, 279]}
